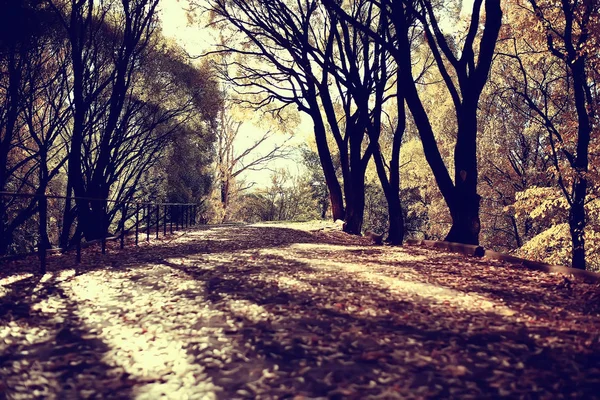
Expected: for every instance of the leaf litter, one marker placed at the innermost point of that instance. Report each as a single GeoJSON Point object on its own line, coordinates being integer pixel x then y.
{"type": "Point", "coordinates": [298, 311]}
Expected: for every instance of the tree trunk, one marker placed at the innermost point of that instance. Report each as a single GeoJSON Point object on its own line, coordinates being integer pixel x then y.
{"type": "Point", "coordinates": [324, 210]}
{"type": "Point", "coordinates": [95, 224]}
{"type": "Point", "coordinates": [44, 241]}
{"type": "Point", "coordinates": [577, 226]}
{"type": "Point", "coordinates": [333, 185]}
{"type": "Point", "coordinates": [584, 117]}
{"type": "Point", "coordinates": [355, 205]}
{"type": "Point", "coordinates": [396, 221]}
{"type": "Point", "coordinates": [391, 189]}
{"type": "Point", "coordinates": [67, 220]}
{"type": "Point", "coordinates": [4, 239]}
{"type": "Point", "coordinates": [464, 206]}
{"type": "Point", "coordinates": [225, 199]}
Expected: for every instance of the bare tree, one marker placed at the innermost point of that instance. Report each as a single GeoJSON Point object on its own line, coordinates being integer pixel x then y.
{"type": "Point", "coordinates": [323, 66]}
{"type": "Point", "coordinates": [105, 52]}
{"type": "Point", "coordinates": [235, 158]}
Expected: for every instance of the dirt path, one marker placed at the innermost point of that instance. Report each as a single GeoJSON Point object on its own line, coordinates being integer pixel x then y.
{"type": "Point", "coordinates": [280, 312]}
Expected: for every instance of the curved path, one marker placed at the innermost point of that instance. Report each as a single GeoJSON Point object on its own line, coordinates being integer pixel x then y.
{"type": "Point", "coordinates": [281, 312]}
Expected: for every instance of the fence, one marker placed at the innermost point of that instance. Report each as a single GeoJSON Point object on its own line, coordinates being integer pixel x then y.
{"type": "Point", "coordinates": [155, 217]}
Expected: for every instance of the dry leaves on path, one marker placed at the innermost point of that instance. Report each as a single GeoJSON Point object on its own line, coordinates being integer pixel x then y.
{"type": "Point", "coordinates": [275, 311]}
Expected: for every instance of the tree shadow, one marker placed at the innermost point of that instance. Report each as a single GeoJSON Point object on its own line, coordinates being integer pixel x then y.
{"type": "Point", "coordinates": [517, 287]}
{"type": "Point", "coordinates": [418, 347]}
{"type": "Point", "coordinates": [319, 332]}
{"type": "Point", "coordinates": [48, 352]}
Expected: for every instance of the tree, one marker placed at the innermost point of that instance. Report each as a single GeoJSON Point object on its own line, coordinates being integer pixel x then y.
{"type": "Point", "coordinates": [90, 85]}
{"type": "Point", "coordinates": [464, 82]}
{"type": "Point", "coordinates": [570, 33]}
{"type": "Point", "coordinates": [31, 59]}
{"type": "Point", "coordinates": [324, 67]}
{"type": "Point", "coordinates": [277, 42]}
{"type": "Point", "coordinates": [315, 178]}
{"type": "Point", "coordinates": [235, 158]}
{"type": "Point", "coordinates": [104, 58]}
{"type": "Point", "coordinates": [286, 199]}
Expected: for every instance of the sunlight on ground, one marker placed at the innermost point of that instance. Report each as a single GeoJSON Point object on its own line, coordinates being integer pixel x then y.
{"type": "Point", "coordinates": [239, 314]}
{"type": "Point", "coordinates": [400, 288]}
{"type": "Point", "coordinates": [9, 280]}
{"type": "Point", "coordinates": [27, 378]}
{"type": "Point", "coordinates": [248, 310]}
{"type": "Point", "coordinates": [142, 341]}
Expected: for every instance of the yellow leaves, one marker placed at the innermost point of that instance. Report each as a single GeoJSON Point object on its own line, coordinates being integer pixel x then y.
{"type": "Point", "coordinates": [542, 204]}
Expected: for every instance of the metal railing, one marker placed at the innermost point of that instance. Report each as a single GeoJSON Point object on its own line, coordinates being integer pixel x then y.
{"type": "Point", "coordinates": [156, 217]}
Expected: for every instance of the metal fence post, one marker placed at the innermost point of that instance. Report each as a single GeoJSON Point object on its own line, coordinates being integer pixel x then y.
{"type": "Point", "coordinates": [157, 220]}
{"type": "Point", "coordinates": [147, 222]}
{"type": "Point", "coordinates": [165, 220]}
{"type": "Point", "coordinates": [43, 214]}
{"type": "Point", "coordinates": [104, 225]}
{"type": "Point", "coordinates": [123, 218]}
{"type": "Point", "coordinates": [137, 222]}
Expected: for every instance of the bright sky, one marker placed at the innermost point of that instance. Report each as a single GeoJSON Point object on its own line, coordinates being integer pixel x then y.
{"type": "Point", "coordinates": [197, 40]}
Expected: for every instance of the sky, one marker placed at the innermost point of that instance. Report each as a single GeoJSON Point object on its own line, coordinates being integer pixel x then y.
{"type": "Point", "coordinates": [197, 40]}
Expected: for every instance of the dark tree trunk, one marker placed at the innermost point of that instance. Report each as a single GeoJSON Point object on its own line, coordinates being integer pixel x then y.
{"type": "Point", "coordinates": [324, 210]}
{"type": "Point", "coordinates": [464, 207]}
{"type": "Point", "coordinates": [396, 227]}
{"type": "Point", "coordinates": [67, 220]}
{"type": "Point", "coordinates": [577, 227]}
{"type": "Point", "coordinates": [43, 200]}
{"type": "Point", "coordinates": [518, 240]}
{"type": "Point", "coordinates": [577, 215]}
{"type": "Point", "coordinates": [6, 141]}
{"type": "Point", "coordinates": [225, 199]}
{"type": "Point", "coordinates": [354, 178]}
{"type": "Point", "coordinates": [391, 189]}
{"type": "Point", "coordinates": [333, 186]}
{"type": "Point", "coordinates": [355, 205]}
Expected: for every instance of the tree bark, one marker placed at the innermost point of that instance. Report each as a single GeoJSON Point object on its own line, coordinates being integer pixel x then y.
{"type": "Point", "coordinates": [464, 207]}
{"type": "Point", "coordinates": [355, 205]}
{"type": "Point", "coordinates": [577, 215]}
{"type": "Point", "coordinates": [333, 186]}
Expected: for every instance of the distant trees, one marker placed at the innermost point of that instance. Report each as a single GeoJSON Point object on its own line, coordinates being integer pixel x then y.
{"type": "Point", "coordinates": [235, 156]}
{"type": "Point", "coordinates": [285, 199]}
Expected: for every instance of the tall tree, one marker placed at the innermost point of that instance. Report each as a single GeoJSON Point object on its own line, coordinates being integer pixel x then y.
{"type": "Point", "coordinates": [326, 68]}
{"type": "Point", "coordinates": [30, 53]}
{"type": "Point", "coordinates": [277, 41]}
{"type": "Point", "coordinates": [555, 78]}
{"type": "Point", "coordinates": [464, 72]}
{"type": "Point", "coordinates": [105, 52]}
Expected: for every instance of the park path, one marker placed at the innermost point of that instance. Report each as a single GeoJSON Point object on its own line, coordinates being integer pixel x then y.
{"type": "Point", "coordinates": [296, 311]}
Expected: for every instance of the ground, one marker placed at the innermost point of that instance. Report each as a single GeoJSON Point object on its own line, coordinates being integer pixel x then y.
{"type": "Point", "coordinates": [292, 311]}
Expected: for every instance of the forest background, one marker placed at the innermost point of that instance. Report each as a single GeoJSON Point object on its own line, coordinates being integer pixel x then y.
{"type": "Point", "coordinates": [474, 122]}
